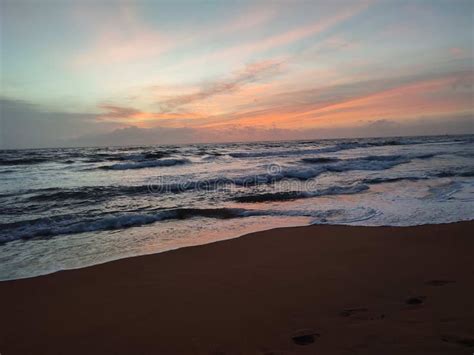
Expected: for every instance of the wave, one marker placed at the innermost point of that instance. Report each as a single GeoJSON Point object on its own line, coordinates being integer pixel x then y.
{"type": "Point", "coordinates": [320, 160]}
{"type": "Point", "coordinates": [425, 156]}
{"type": "Point", "coordinates": [381, 158]}
{"type": "Point", "coordinates": [456, 173]}
{"type": "Point", "coordinates": [272, 153]}
{"type": "Point", "coordinates": [329, 149]}
{"type": "Point", "coordinates": [373, 163]}
{"type": "Point", "coordinates": [143, 156]}
{"type": "Point", "coordinates": [443, 192]}
{"type": "Point", "coordinates": [367, 163]}
{"type": "Point", "coordinates": [382, 180]}
{"type": "Point", "coordinates": [370, 163]}
{"type": "Point", "coordinates": [73, 224]}
{"type": "Point", "coordinates": [348, 216]}
{"type": "Point", "coordinates": [293, 195]}
{"type": "Point", "coordinates": [84, 193]}
{"type": "Point", "coordinates": [289, 152]}
{"type": "Point", "coordinates": [146, 164]}
{"type": "Point", "coordinates": [466, 154]}
{"type": "Point", "coordinates": [310, 172]}
{"type": "Point", "coordinates": [95, 194]}
{"type": "Point", "coordinates": [40, 156]}
{"type": "Point", "coordinates": [36, 200]}
{"type": "Point", "coordinates": [87, 155]}
{"type": "Point", "coordinates": [23, 161]}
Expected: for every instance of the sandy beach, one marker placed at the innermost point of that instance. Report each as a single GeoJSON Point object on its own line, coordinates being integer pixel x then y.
{"type": "Point", "coordinates": [304, 290]}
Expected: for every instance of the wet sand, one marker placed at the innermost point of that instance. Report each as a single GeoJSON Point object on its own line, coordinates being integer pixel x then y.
{"type": "Point", "coordinates": [304, 290]}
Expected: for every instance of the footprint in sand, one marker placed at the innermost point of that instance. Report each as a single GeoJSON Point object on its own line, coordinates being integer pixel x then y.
{"type": "Point", "coordinates": [305, 337]}
{"type": "Point", "coordinates": [459, 340]}
{"type": "Point", "coordinates": [415, 301]}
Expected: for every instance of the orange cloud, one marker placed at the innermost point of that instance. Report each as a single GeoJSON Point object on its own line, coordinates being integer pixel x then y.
{"type": "Point", "coordinates": [346, 104]}
{"type": "Point", "coordinates": [433, 96]}
{"type": "Point", "coordinates": [132, 116]}
{"type": "Point", "coordinates": [251, 73]}
{"type": "Point", "coordinates": [243, 100]}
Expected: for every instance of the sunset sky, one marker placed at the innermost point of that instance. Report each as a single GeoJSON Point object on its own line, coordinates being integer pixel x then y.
{"type": "Point", "coordinates": [145, 72]}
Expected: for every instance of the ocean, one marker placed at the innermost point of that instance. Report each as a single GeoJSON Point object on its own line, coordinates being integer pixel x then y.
{"type": "Point", "coordinates": [66, 208]}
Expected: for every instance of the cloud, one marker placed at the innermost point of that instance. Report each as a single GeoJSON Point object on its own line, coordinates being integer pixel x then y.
{"type": "Point", "coordinates": [118, 36]}
{"type": "Point", "coordinates": [251, 73]}
{"type": "Point", "coordinates": [259, 46]}
{"type": "Point", "coordinates": [410, 104]}
{"type": "Point", "coordinates": [136, 136]}
{"type": "Point", "coordinates": [130, 115]}
{"type": "Point", "coordinates": [122, 37]}
{"type": "Point", "coordinates": [118, 112]}
{"type": "Point", "coordinates": [395, 97]}
{"type": "Point", "coordinates": [461, 124]}
{"type": "Point", "coordinates": [26, 125]}
{"type": "Point", "coordinates": [423, 125]}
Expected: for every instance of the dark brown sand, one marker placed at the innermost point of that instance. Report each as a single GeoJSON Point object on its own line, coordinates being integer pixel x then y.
{"type": "Point", "coordinates": [307, 290]}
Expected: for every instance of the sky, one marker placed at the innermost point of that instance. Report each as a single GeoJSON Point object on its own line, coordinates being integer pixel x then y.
{"type": "Point", "coordinates": [103, 72]}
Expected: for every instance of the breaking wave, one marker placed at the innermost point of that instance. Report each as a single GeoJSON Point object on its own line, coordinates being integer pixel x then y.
{"type": "Point", "coordinates": [71, 224]}
{"type": "Point", "coordinates": [146, 164]}
{"type": "Point", "coordinates": [329, 149]}
{"type": "Point", "coordinates": [293, 195]}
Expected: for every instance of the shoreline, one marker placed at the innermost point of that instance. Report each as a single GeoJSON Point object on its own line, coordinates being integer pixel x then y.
{"type": "Point", "coordinates": [178, 247]}
{"type": "Point", "coordinates": [239, 235]}
{"type": "Point", "coordinates": [339, 289]}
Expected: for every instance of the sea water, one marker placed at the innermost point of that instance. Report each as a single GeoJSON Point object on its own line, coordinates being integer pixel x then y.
{"type": "Point", "coordinates": [73, 207]}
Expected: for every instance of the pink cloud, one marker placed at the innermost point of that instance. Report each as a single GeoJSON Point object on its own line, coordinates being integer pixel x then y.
{"type": "Point", "coordinates": [111, 48]}
{"type": "Point", "coordinates": [275, 41]}
{"type": "Point", "coordinates": [127, 39]}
